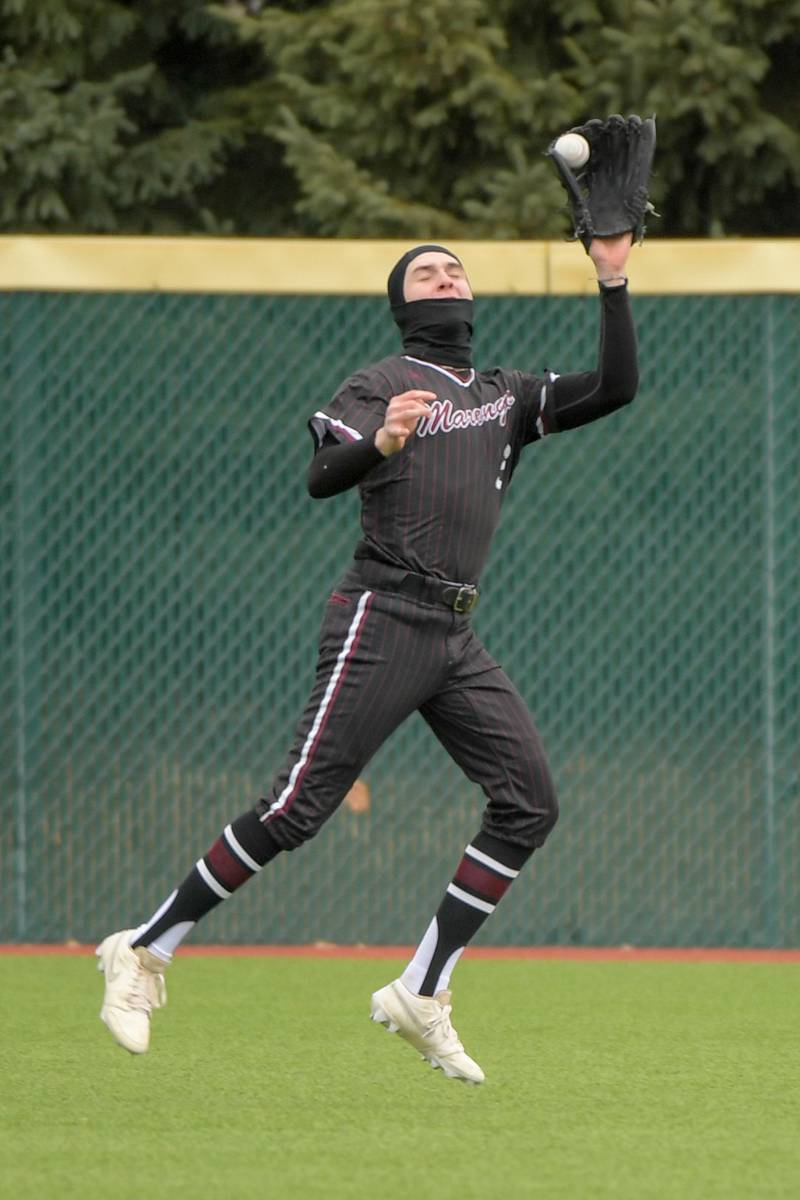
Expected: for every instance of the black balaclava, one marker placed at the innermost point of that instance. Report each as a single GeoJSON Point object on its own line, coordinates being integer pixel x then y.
{"type": "Point", "coordinates": [438, 331]}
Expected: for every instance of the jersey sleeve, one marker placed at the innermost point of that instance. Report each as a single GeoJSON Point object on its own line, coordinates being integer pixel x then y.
{"type": "Point", "coordinates": [555, 403]}
{"type": "Point", "coordinates": [356, 411]}
{"type": "Point", "coordinates": [536, 415]}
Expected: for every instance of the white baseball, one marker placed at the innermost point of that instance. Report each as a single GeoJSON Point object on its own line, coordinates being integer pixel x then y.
{"type": "Point", "coordinates": [573, 148]}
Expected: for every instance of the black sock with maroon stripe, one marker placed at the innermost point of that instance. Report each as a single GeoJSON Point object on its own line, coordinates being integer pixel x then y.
{"type": "Point", "coordinates": [241, 850]}
{"type": "Point", "coordinates": [484, 875]}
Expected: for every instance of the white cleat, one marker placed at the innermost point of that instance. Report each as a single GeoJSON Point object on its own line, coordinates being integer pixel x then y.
{"type": "Point", "coordinates": [134, 987]}
{"type": "Point", "coordinates": [424, 1021]}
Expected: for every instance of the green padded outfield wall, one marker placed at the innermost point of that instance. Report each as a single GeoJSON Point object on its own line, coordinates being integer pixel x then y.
{"type": "Point", "coordinates": [163, 578]}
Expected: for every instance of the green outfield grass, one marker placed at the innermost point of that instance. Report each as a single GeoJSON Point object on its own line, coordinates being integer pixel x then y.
{"type": "Point", "coordinates": [620, 1081]}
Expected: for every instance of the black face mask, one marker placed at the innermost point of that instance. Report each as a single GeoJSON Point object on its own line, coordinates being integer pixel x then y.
{"type": "Point", "coordinates": [438, 331]}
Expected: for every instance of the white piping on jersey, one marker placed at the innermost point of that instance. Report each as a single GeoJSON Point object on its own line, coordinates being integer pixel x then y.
{"type": "Point", "coordinates": [540, 418]}
{"type": "Point", "coordinates": [348, 429]}
{"type": "Point", "coordinates": [444, 371]}
{"type": "Point", "coordinates": [552, 377]}
{"type": "Point", "coordinates": [322, 711]}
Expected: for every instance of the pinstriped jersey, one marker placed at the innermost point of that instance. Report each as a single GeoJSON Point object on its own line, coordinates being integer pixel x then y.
{"type": "Point", "coordinates": [433, 507]}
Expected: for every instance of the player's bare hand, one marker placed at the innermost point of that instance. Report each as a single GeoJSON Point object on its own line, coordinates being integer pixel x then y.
{"type": "Point", "coordinates": [403, 414]}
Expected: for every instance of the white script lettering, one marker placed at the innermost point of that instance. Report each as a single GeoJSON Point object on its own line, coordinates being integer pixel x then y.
{"type": "Point", "coordinates": [444, 418]}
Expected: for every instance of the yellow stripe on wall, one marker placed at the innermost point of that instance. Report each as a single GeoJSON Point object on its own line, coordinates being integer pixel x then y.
{"type": "Point", "coordinates": [352, 267]}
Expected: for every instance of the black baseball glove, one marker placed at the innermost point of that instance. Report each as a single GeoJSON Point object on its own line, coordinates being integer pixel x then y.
{"type": "Point", "coordinates": [608, 194]}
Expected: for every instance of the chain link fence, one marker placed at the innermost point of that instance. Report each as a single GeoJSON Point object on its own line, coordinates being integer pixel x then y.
{"type": "Point", "coordinates": [164, 574]}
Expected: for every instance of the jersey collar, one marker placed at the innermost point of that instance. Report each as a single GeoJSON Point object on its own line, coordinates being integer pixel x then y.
{"type": "Point", "coordinates": [444, 371]}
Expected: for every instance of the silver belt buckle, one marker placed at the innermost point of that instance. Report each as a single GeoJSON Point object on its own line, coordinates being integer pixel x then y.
{"type": "Point", "coordinates": [466, 599]}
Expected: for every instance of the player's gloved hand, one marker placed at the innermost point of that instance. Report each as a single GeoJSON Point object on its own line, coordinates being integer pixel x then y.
{"type": "Point", "coordinates": [609, 194]}
{"type": "Point", "coordinates": [403, 414]}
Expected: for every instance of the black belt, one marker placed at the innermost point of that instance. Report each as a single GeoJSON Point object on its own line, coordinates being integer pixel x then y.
{"type": "Point", "coordinates": [460, 597]}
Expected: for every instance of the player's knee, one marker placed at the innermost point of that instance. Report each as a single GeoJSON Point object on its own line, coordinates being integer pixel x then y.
{"type": "Point", "coordinates": [550, 813]}
{"type": "Point", "coordinates": [293, 825]}
{"type": "Point", "coordinates": [542, 816]}
{"type": "Point", "coordinates": [527, 816]}
{"type": "Point", "coordinates": [544, 806]}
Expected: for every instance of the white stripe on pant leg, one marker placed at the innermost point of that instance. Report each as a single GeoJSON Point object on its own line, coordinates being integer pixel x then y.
{"type": "Point", "coordinates": [326, 700]}
{"type": "Point", "coordinates": [468, 899]}
{"type": "Point", "coordinates": [210, 881]}
{"type": "Point", "coordinates": [480, 857]}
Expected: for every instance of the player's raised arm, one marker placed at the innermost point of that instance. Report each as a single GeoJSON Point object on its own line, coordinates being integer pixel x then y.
{"type": "Point", "coordinates": [577, 399]}
{"type": "Point", "coordinates": [605, 169]}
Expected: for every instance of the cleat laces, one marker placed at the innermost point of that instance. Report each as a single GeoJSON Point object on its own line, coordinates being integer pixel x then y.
{"type": "Point", "coordinates": [147, 991]}
{"type": "Point", "coordinates": [441, 1029]}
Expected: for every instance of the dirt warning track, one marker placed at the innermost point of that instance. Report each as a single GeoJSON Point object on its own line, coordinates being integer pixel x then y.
{"type": "Point", "coordinates": [636, 954]}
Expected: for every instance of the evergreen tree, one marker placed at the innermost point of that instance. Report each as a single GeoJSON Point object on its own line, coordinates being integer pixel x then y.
{"type": "Point", "coordinates": [723, 76]}
{"type": "Point", "coordinates": [103, 114]}
{"type": "Point", "coordinates": [376, 118]}
{"type": "Point", "coordinates": [407, 119]}
{"type": "Point", "coordinates": [403, 119]}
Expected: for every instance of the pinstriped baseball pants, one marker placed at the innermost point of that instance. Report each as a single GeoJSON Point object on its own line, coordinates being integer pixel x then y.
{"type": "Point", "coordinates": [382, 657]}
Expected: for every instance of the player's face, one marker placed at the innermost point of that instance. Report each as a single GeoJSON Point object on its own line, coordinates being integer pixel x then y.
{"type": "Point", "coordinates": [436, 276]}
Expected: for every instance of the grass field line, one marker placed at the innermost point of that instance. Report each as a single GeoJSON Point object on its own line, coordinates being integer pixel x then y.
{"type": "Point", "coordinates": [634, 954]}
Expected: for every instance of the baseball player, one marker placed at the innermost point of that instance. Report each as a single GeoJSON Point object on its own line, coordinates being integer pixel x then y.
{"type": "Point", "coordinates": [432, 444]}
